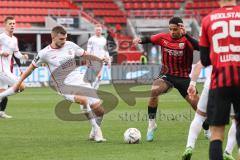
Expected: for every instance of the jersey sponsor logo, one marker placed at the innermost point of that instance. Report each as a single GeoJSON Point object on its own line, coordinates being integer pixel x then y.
{"type": "Point", "coordinates": [174, 52]}
{"type": "Point", "coordinates": [67, 63]}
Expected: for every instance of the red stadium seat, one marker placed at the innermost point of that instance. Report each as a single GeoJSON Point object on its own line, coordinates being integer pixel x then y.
{"type": "Point", "coordinates": [33, 11]}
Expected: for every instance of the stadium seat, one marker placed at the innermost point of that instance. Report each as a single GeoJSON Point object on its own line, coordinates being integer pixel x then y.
{"type": "Point", "coordinates": [143, 5]}
{"type": "Point", "coordinates": [34, 11]}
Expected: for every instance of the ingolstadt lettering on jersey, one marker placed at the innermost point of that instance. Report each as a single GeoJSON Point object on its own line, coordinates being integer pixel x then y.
{"type": "Point", "coordinates": [221, 31]}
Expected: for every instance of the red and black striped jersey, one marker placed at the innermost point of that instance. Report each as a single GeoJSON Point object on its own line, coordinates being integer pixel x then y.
{"type": "Point", "coordinates": [177, 54]}
{"type": "Point", "coordinates": [221, 34]}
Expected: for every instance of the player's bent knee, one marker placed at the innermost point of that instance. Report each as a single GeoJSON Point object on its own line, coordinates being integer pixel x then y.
{"type": "Point", "coordinates": [217, 132]}
{"type": "Point", "coordinates": [153, 101]}
{"type": "Point", "coordinates": [98, 109]}
{"type": "Point", "coordinates": [158, 89]}
{"type": "Point", "coordinates": [193, 101]}
{"type": "Point", "coordinates": [154, 93]}
{"type": "Point", "coordinates": [22, 87]}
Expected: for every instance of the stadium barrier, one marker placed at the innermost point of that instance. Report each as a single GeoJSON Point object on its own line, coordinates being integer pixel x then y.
{"type": "Point", "coordinates": [129, 73]}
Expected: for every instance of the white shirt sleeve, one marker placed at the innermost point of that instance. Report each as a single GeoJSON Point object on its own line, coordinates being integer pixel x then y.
{"type": "Point", "coordinates": [38, 60]}
{"type": "Point", "coordinates": [16, 52]}
{"type": "Point", "coordinates": [1, 42]}
{"type": "Point", "coordinates": [78, 50]}
{"type": "Point", "coordinates": [90, 45]}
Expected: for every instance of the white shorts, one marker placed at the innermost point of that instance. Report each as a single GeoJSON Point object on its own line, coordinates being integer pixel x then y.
{"type": "Point", "coordinates": [7, 79]}
{"type": "Point", "coordinates": [91, 100]}
{"type": "Point", "coordinates": [202, 103]}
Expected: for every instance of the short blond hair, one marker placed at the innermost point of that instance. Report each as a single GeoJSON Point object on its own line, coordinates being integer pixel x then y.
{"type": "Point", "coordinates": [98, 25]}
{"type": "Point", "coordinates": [8, 18]}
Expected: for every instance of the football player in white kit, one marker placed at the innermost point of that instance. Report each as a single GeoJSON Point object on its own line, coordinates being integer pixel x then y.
{"type": "Point", "coordinates": [8, 48]}
{"type": "Point", "coordinates": [97, 46]}
{"type": "Point", "coordinates": [60, 54]}
{"type": "Point", "coordinates": [198, 120]}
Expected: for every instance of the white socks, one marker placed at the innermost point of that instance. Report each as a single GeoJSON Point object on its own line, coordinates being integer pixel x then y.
{"type": "Point", "coordinates": [231, 141]}
{"type": "Point", "coordinates": [151, 124]}
{"type": "Point", "coordinates": [195, 129]}
{"type": "Point", "coordinates": [91, 117]}
{"type": "Point", "coordinates": [8, 92]}
{"type": "Point", "coordinates": [99, 120]}
{"type": "Point", "coordinates": [96, 83]}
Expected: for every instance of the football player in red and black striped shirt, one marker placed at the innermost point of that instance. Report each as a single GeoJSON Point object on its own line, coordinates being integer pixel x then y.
{"type": "Point", "coordinates": [177, 57]}
{"type": "Point", "coordinates": [220, 46]}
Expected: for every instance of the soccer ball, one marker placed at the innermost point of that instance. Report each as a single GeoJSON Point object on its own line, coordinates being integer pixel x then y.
{"type": "Point", "coordinates": [132, 136]}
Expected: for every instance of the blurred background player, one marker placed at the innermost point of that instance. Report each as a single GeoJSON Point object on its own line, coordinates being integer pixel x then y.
{"type": "Point", "coordinates": [8, 49]}
{"type": "Point", "coordinates": [60, 54]}
{"type": "Point", "coordinates": [220, 46]}
{"type": "Point", "coordinates": [97, 46]}
{"type": "Point", "coordinates": [177, 52]}
{"type": "Point", "coordinates": [198, 120]}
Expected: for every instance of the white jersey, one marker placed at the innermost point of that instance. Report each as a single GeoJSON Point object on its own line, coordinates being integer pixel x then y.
{"type": "Point", "coordinates": [96, 46]}
{"type": "Point", "coordinates": [208, 74]}
{"type": "Point", "coordinates": [61, 63]}
{"type": "Point", "coordinates": [10, 45]}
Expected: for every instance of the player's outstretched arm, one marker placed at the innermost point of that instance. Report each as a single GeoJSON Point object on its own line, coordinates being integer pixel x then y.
{"type": "Point", "coordinates": [19, 55]}
{"type": "Point", "coordinates": [141, 40]}
{"type": "Point", "coordinates": [23, 77]}
{"type": "Point", "coordinates": [88, 56]}
{"type": "Point", "coordinates": [195, 74]}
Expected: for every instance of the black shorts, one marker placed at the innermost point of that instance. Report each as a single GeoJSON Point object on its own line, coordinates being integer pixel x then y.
{"type": "Point", "coordinates": [219, 105]}
{"type": "Point", "coordinates": [180, 83]}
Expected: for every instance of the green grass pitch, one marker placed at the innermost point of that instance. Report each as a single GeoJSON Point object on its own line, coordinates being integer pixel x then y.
{"type": "Point", "coordinates": [35, 133]}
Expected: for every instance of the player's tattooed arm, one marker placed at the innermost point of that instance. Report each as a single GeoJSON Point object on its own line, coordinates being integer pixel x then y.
{"type": "Point", "coordinates": [88, 56]}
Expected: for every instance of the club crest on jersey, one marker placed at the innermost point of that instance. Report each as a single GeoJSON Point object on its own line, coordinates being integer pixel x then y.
{"type": "Point", "coordinates": [181, 45]}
